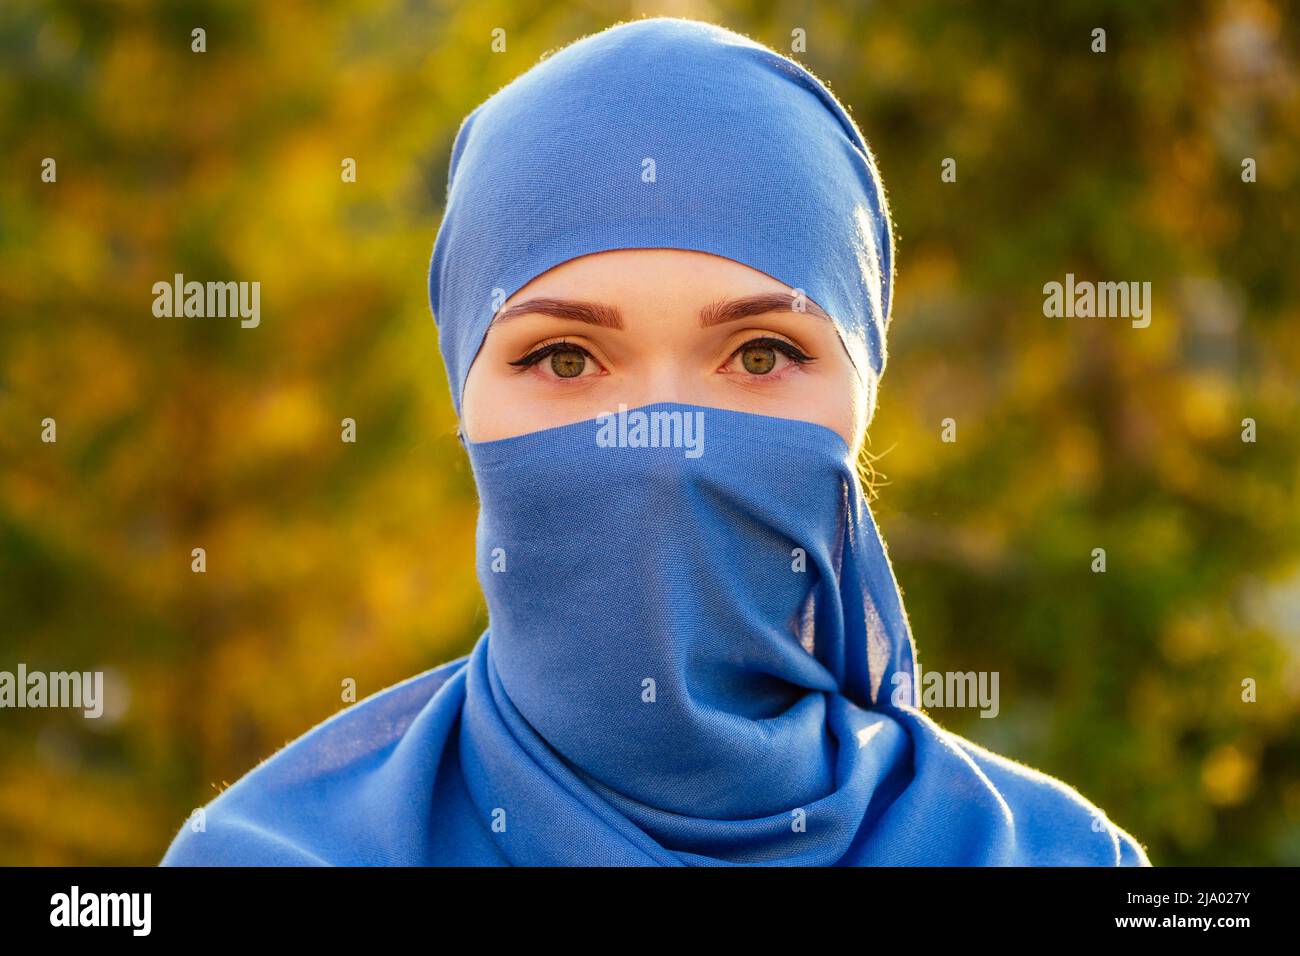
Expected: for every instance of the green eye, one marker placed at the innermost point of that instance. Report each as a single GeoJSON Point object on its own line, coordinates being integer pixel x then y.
{"type": "Point", "coordinates": [568, 364]}
{"type": "Point", "coordinates": [758, 359]}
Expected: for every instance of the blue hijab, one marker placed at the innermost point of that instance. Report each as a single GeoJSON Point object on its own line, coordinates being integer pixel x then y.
{"type": "Point", "coordinates": [697, 653]}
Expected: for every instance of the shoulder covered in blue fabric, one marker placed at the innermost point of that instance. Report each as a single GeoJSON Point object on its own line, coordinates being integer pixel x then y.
{"type": "Point", "coordinates": [1053, 824]}
{"type": "Point", "coordinates": [304, 805]}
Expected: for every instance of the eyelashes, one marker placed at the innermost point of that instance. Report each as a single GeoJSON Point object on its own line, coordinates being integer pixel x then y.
{"type": "Point", "coordinates": [789, 350]}
{"type": "Point", "coordinates": [546, 351]}
{"type": "Point", "coordinates": [794, 354]}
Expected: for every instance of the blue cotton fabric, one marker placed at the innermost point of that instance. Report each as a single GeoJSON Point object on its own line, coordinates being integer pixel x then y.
{"type": "Point", "coordinates": [690, 659]}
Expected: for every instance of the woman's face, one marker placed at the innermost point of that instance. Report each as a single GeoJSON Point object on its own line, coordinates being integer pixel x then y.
{"type": "Point", "coordinates": [637, 326]}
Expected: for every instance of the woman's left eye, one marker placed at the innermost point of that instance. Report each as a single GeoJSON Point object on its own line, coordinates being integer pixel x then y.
{"type": "Point", "coordinates": [764, 355]}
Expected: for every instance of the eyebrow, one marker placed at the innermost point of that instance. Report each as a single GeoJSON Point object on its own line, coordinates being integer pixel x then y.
{"type": "Point", "coordinates": [609, 317]}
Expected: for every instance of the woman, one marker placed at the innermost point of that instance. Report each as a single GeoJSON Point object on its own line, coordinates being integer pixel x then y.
{"type": "Point", "coordinates": [662, 285]}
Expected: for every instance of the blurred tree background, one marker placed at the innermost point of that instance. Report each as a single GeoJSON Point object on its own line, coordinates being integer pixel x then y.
{"type": "Point", "coordinates": [328, 561]}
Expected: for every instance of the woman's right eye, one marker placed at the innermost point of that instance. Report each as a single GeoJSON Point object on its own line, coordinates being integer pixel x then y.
{"type": "Point", "coordinates": [566, 360]}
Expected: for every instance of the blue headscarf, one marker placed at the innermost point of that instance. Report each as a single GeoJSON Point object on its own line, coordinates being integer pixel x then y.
{"type": "Point", "coordinates": [692, 658]}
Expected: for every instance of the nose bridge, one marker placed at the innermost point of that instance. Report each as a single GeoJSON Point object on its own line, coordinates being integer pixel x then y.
{"type": "Point", "coordinates": [666, 377]}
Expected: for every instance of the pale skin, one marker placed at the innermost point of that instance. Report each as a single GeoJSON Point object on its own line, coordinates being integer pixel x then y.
{"type": "Point", "coordinates": [664, 325]}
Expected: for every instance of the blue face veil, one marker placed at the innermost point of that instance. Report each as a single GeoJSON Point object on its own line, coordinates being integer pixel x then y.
{"type": "Point", "coordinates": [697, 652]}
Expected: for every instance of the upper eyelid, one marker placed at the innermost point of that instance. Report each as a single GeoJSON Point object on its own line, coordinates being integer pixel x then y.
{"type": "Point", "coordinates": [760, 330]}
{"type": "Point", "coordinates": [555, 340]}
{"type": "Point", "coordinates": [546, 344]}
{"type": "Point", "coordinates": [531, 357]}
{"type": "Point", "coordinates": [774, 337]}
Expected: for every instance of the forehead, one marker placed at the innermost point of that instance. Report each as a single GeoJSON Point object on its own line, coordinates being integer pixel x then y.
{"type": "Point", "coordinates": [664, 271]}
